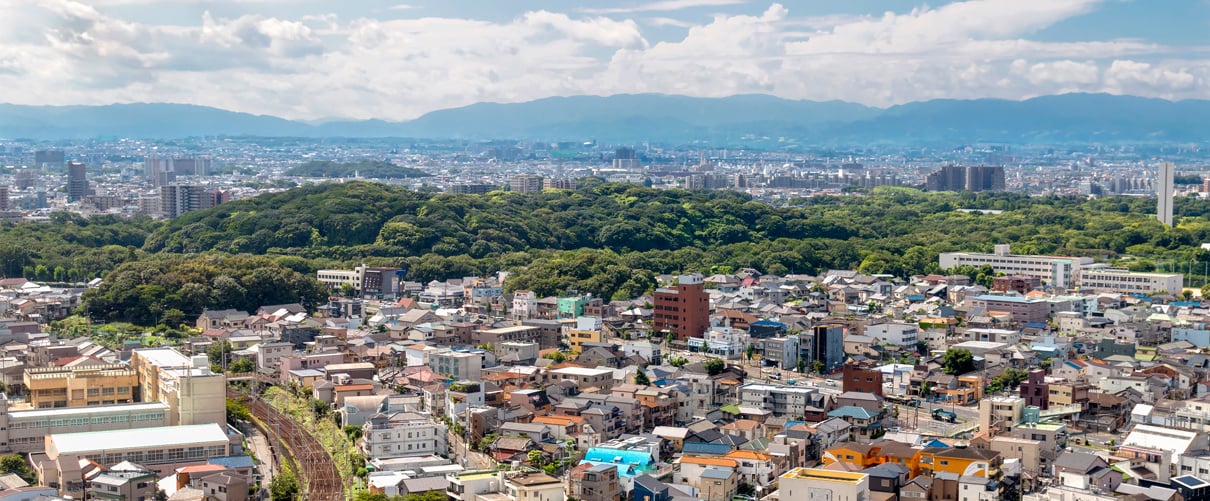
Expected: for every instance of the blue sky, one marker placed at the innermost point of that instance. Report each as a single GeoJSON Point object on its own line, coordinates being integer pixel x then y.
{"type": "Point", "coordinates": [396, 60]}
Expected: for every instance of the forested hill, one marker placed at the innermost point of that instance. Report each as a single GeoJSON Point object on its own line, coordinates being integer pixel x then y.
{"type": "Point", "coordinates": [892, 230]}
{"type": "Point", "coordinates": [607, 239]}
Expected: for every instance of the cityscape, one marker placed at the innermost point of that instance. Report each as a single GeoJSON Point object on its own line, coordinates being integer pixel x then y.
{"type": "Point", "coordinates": [674, 250]}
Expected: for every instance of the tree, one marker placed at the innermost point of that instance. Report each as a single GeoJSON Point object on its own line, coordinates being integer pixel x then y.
{"type": "Point", "coordinates": [283, 487]}
{"type": "Point", "coordinates": [750, 352]}
{"type": "Point", "coordinates": [15, 463]}
{"type": "Point", "coordinates": [714, 366]}
{"type": "Point", "coordinates": [557, 356]}
{"type": "Point", "coordinates": [802, 366]}
{"type": "Point", "coordinates": [218, 352]}
{"type": "Point", "coordinates": [640, 377]}
{"type": "Point", "coordinates": [237, 411]}
{"type": "Point", "coordinates": [353, 432]}
{"type": "Point", "coordinates": [534, 458]}
{"type": "Point", "coordinates": [370, 496]}
{"type": "Point", "coordinates": [347, 289]}
{"type": "Point", "coordinates": [242, 365]}
{"type": "Point", "coordinates": [677, 362]}
{"type": "Point", "coordinates": [958, 362]}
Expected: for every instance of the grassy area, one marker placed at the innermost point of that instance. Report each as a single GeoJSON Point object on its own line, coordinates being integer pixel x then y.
{"type": "Point", "coordinates": [326, 432]}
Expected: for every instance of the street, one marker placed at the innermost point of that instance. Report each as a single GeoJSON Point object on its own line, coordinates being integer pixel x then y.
{"type": "Point", "coordinates": [469, 459]}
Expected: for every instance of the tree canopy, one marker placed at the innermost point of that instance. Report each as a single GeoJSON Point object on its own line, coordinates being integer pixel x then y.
{"type": "Point", "coordinates": [957, 361]}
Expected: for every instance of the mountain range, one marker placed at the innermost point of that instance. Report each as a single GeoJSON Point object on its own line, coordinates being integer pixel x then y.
{"type": "Point", "coordinates": [742, 119]}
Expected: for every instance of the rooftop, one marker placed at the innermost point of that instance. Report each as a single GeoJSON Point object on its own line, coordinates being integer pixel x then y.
{"type": "Point", "coordinates": [142, 438]}
{"type": "Point", "coordinates": [825, 475]}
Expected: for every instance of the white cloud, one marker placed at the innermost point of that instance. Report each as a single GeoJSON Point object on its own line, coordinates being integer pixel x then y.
{"type": "Point", "coordinates": [327, 65]}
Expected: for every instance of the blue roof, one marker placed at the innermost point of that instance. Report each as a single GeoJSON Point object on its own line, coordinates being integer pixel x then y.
{"type": "Point", "coordinates": [852, 411]}
{"type": "Point", "coordinates": [705, 448]}
{"type": "Point", "coordinates": [233, 462]}
{"type": "Point", "coordinates": [1036, 325]}
{"type": "Point", "coordinates": [769, 323]}
{"type": "Point", "coordinates": [915, 297]}
{"type": "Point", "coordinates": [618, 456]}
{"type": "Point", "coordinates": [629, 463]}
{"type": "Point", "coordinates": [790, 423]}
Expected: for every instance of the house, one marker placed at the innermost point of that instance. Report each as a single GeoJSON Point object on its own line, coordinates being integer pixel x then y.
{"type": "Point", "coordinates": [1085, 471]}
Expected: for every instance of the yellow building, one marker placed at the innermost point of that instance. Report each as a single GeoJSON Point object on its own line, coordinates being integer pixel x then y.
{"type": "Point", "coordinates": [53, 387]}
{"type": "Point", "coordinates": [194, 394]}
{"type": "Point", "coordinates": [961, 461]}
{"type": "Point", "coordinates": [576, 339]}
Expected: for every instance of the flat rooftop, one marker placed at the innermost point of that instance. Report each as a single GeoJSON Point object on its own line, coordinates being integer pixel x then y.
{"type": "Point", "coordinates": [65, 412]}
{"type": "Point", "coordinates": [848, 477]}
{"type": "Point", "coordinates": [164, 357]}
{"type": "Point", "coordinates": [142, 438]}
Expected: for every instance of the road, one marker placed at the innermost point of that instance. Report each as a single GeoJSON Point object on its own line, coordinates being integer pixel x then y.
{"type": "Point", "coordinates": [470, 460]}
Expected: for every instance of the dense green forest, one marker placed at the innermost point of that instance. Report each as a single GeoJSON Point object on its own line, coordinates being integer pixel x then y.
{"type": "Point", "coordinates": [376, 169]}
{"type": "Point", "coordinates": [608, 239]}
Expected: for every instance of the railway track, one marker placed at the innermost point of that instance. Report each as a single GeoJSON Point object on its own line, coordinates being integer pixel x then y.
{"type": "Point", "coordinates": [320, 481]}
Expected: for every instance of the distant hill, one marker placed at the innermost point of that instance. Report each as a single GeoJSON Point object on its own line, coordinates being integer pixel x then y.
{"type": "Point", "coordinates": [743, 119]}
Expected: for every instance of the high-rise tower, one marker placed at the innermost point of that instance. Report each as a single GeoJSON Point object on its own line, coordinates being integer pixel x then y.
{"type": "Point", "coordinates": [1164, 192]}
{"type": "Point", "coordinates": [77, 182]}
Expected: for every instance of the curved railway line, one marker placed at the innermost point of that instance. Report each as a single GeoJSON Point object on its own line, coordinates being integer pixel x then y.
{"type": "Point", "coordinates": [318, 478]}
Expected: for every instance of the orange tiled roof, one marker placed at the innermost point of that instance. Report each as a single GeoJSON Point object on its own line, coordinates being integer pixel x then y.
{"type": "Point", "coordinates": [758, 456]}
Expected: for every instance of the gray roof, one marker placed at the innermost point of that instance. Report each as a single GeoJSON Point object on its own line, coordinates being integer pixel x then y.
{"type": "Point", "coordinates": [1078, 461]}
{"type": "Point", "coordinates": [716, 472]}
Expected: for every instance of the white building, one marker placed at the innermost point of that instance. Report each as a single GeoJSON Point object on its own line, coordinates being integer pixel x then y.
{"type": "Point", "coordinates": [457, 364]}
{"type": "Point", "coordinates": [781, 400]}
{"type": "Point", "coordinates": [336, 279]}
{"type": "Point", "coordinates": [402, 434]}
{"type": "Point", "coordinates": [1121, 280]}
{"type": "Point", "coordinates": [1164, 191]}
{"type": "Point", "coordinates": [525, 304]}
{"type": "Point", "coordinates": [897, 334]}
{"type": "Point", "coordinates": [818, 483]}
{"type": "Point", "coordinates": [725, 342]}
{"type": "Point", "coordinates": [1057, 271]}
{"type": "Point", "coordinates": [194, 394]}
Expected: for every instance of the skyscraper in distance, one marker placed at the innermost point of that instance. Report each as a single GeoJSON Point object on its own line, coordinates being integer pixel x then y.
{"type": "Point", "coordinates": [77, 182]}
{"type": "Point", "coordinates": [1164, 192]}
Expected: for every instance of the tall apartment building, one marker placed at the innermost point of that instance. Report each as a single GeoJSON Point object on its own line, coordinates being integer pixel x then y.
{"type": "Point", "coordinates": [403, 434]}
{"type": "Point", "coordinates": [1057, 271]}
{"type": "Point", "coordinates": [178, 199]}
{"type": "Point", "coordinates": [625, 158]}
{"type": "Point", "coordinates": [823, 343]}
{"type": "Point", "coordinates": [194, 394]}
{"type": "Point", "coordinates": [1164, 191]}
{"type": "Point", "coordinates": [57, 387]}
{"type": "Point", "coordinates": [194, 166]}
{"type": "Point", "coordinates": [3, 198]}
{"type": "Point", "coordinates": [159, 171]}
{"type": "Point", "coordinates": [955, 178]}
{"type": "Point", "coordinates": [525, 183]}
{"type": "Point", "coordinates": [683, 309]}
{"type": "Point", "coordinates": [49, 159]}
{"type": "Point", "coordinates": [77, 181]}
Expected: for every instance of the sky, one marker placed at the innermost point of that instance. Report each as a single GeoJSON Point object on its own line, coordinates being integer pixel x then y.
{"type": "Point", "coordinates": [396, 60]}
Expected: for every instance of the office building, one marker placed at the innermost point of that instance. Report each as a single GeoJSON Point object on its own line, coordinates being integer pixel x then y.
{"type": "Point", "coordinates": [195, 166]}
{"type": "Point", "coordinates": [1164, 191]}
{"type": "Point", "coordinates": [683, 309]}
{"type": "Point", "coordinates": [77, 182]}
{"type": "Point", "coordinates": [57, 387]}
{"type": "Point", "coordinates": [179, 199]}
{"type": "Point", "coordinates": [335, 280]}
{"type": "Point", "coordinates": [1056, 271]}
{"type": "Point", "coordinates": [51, 159]}
{"type": "Point", "coordinates": [822, 343]}
{"type": "Point", "coordinates": [1121, 280]}
{"type": "Point", "coordinates": [625, 158]}
{"type": "Point", "coordinates": [525, 184]}
{"type": "Point", "coordinates": [194, 394]}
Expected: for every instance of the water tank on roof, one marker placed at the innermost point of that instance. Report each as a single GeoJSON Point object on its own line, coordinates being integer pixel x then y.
{"type": "Point", "coordinates": [200, 361]}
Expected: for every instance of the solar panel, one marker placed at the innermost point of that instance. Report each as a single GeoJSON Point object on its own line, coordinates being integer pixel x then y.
{"type": "Point", "coordinates": [1190, 481]}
